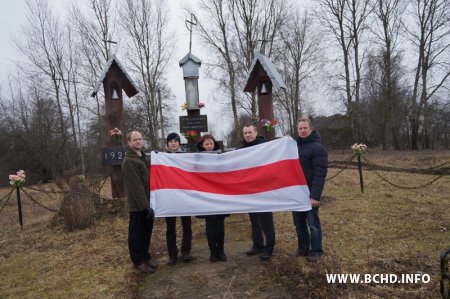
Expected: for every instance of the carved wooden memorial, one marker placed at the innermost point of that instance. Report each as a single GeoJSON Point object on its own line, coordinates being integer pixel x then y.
{"type": "Point", "coordinates": [115, 80]}
{"type": "Point", "coordinates": [262, 77]}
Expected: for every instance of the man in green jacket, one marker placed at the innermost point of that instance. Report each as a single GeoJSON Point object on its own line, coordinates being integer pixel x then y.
{"type": "Point", "coordinates": [136, 178]}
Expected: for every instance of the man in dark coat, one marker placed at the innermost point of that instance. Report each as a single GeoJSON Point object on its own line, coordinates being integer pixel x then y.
{"type": "Point", "coordinates": [262, 223]}
{"type": "Point", "coordinates": [136, 178]}
{"type": "Point", "coordinates": [314, 161]}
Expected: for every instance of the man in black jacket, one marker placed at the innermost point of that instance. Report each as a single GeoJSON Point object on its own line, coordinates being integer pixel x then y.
{"type": "Point", "coordinates": [314, 161]}
{"type": "Point", "coordinates": [262, 223]}
{"type": "Point", "coordinates": [136, 178]}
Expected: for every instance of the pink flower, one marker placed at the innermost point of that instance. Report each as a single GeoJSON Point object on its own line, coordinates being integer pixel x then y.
{"type": "Point", "coordinates": [268, 124]}
{"type": "Point", "coordinates": [17, 179]}
{"type": "Point", "coordinates": [185, 105]}
{"type": "Point", "coordinates": [115, 133]}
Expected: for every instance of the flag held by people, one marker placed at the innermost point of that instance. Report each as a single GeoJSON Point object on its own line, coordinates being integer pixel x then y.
{"type": "Point", "coordinates": [262, 178]}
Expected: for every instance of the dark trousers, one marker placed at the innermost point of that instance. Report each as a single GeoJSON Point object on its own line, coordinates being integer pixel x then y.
{"type": "Point", "coordinates": [214, 223]}
{"type": "Point", "coordinates": [262, 226]}
{"type": "Point", "coordinates": [171, 235]}
{"type": "Point", "coordinates": [215, 232]}
{"type": "Point", "coordinates": [139, 234]}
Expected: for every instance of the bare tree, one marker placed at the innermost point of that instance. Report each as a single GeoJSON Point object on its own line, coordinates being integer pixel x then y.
{"type": "Point", "coordinates": [359, 11]}
{"type": "Point", "coordinates": [346, 20]}
{"type": "Point", "coordinates": [95, 30]}
{"type": "Point", "coordinates": [256, 24]}
{"type": "Point", "coordinates": [233, 30]}
{"type": "Point", "coordinates": [333, 16]}
{"type": "Point", "coordinates": [65, 68]}
{"type": "Point", "coordinates": [150, 49]}
{"type": "Point", "coordinates": [215, 31]}
{"type": "Point", "coordinates": [300, 56]}
{"type": "Point", "coordinates": [439, 123]}
{"type": "Point", "coordinates": [71, 84]}
{"type": "Point", "coordinates": [34, 143]}
{"type": "Point", "coordinates": [375, 104]}
{"type": "Point", "coordinates": [429, 34]}
{"type": "Point", "coordinates": [43, 47]}
{"type": "Point", "coordinates": [387, 32]}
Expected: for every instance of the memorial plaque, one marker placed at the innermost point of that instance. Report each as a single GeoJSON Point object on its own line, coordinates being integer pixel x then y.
{"type": "Point", "coordinates": [189, 147]}
{"type": "Point", "coordinates": [197, 123]}
{"type": "Point", "coordinates": [113, 155]}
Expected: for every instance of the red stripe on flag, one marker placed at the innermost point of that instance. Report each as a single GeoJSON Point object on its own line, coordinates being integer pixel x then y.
{"type": "Point", "coordinates": [281, 174]}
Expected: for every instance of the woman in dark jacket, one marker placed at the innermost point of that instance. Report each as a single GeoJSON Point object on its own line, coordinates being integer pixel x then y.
{"type": "Point", "coordinates": [214, 224]}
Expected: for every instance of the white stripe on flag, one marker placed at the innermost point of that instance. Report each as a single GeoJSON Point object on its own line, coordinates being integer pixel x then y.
{"type": "Point", "coordinates": [168, 203]}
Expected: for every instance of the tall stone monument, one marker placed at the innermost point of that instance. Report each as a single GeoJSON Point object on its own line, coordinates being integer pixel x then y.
{"type": "Point", "coordinates": [194, 123]}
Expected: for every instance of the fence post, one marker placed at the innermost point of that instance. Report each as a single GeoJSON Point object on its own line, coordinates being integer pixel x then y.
{"type": "Point", "coordinates": [361, 182]}
{"type": "Point", "coordinates": [19, 205]}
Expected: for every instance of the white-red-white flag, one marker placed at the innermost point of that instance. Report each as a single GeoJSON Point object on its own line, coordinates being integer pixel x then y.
{"type": "Point", "coordinates": [262, 178]}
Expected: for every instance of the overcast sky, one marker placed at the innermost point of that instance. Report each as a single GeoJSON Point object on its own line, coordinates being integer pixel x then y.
{"type": "Point", "coordinates": [11, 18]}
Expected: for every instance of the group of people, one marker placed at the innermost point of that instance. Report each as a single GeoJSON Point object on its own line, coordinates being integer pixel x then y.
{"type": "Point", "coordinates": [136, 168]}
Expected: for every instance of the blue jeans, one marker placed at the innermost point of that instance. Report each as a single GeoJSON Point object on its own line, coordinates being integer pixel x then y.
{"type": "Point", "coordinates": [309, 231]}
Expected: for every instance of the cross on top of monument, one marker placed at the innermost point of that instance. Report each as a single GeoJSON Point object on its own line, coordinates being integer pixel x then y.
{"type": "Point", "coordinates": [108, 43]}
{"type": "Point", "coordinates": [263, 45]}
{"type": "Point", "coordinates": [189, 24]}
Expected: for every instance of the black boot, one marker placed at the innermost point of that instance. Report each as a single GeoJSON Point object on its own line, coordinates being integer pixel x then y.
{"type": "Point", "coordinates": [213, 255]}
{"type": "Point", "coordinates": [172, 260]}
{"type": "Point", "coordinates": [212, 247]}
{"type": "Point", "coordinates": [219, 243]}
{"type": "Point", "coordinates": [186, 256]}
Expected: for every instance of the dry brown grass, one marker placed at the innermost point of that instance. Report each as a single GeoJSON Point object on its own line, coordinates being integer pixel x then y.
{"type": "Point", "coordinates": [384, 230]}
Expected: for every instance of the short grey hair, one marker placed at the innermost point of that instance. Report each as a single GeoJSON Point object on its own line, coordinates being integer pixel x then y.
{"type": "Point", "coordinates": [305, 119]}
{"type": "Point", "coordinates": [130, 133]}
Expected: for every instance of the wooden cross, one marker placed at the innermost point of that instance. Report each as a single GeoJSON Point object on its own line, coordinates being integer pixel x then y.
{"type": "Point", "coordinates": [263, 45]}
{"type": "Point", "coordinates": [109, 41]}
{"type": "Point", "coordinates": [192, 22]}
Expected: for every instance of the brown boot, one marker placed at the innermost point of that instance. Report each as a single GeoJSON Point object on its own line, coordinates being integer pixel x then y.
{"type": "Point", "coordinates": [152, 264]}
{"type": "Point", "coordinates": [265, 255]}
{"type": "Point", "coordinates": [254, 251]}
{"type": "Point", "coordinates": [146, 269]}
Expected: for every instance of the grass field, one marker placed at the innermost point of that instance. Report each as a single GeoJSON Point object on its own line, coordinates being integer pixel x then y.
{"type": "Point", "coordinates": [386, 229]}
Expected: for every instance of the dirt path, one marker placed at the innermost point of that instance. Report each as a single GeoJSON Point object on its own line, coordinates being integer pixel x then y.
{"type": "Point", "coordinates": [240, 277]}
